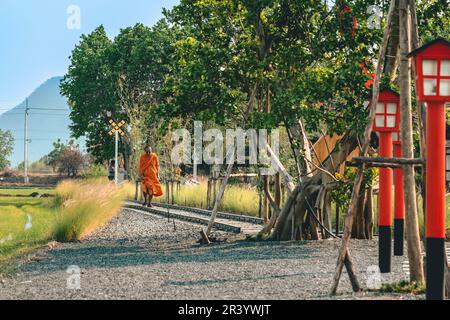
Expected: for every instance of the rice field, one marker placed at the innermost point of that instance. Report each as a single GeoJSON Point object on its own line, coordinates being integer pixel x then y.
{"type": "Point", "coordinates": [77, 209]}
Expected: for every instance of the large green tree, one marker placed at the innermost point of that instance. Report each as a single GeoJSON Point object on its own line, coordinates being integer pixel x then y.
{"type": "Point", "coordinates": [91, 93]}
{"type": "Point", "coordinates": [119, 79]}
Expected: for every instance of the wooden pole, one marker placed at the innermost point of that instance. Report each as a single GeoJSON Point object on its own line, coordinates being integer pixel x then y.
{"type": "Point", "coordinates": [343, 257]}
{"type": "Point", "coordinates": [172, 191]}
{"type": "Point", "coordinates": [208, 195]}
{"type": "Point", "coordinates": [409, 183]}
{"type": "Point", "coordinates": [421, 110]}
{"type": "Point", "coordinates": [219, 198]}
{"type": "Point", "coordinates": [337, 219]}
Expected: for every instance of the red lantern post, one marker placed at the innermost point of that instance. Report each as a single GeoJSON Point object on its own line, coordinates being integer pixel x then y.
{"type": "Point", "coordinates": [399, 202]}
{"type": "Point", "coordinates": [387, 120]}
{"type": "Point", "coordinates": [433, 87]}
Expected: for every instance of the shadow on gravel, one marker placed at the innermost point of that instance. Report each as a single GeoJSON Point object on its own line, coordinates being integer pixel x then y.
{"type": "Point", "coordinates": [205, 282]}
{"type": "Point", "coordinates": [118, 255]}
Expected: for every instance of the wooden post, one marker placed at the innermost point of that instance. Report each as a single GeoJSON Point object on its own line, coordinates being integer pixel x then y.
{"type": "Point", "coordinates": [337, 219]}
{"type": "Point", "coordinates": [266, 178]}
{"type": "Point", "coordinates": [215, 191]}
{"type": "Point", "coordinates": [136, 192]}
{"type": "Point", "coordinates": [409, 183]}
{"type": "Point", "coordinates": [219, 199]}
{"type": "Point", "coordinates": [172, 191]}
{"type": "Point", "coordinates": [208, 195]}
{"type": "Point", "coordinates": [167, 192]}
{"type": "Point", "coordinates": [344, 257]}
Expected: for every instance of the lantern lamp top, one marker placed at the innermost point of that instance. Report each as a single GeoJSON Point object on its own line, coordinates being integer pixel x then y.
{"type": "Point", "coordinates": [386, 95]}
{"type": "Point", "coordinates": [433, 71]}
{"type": "Point", "coordinates": [387, 112]}
{"type": "Point", "coordinates": [438, 47]}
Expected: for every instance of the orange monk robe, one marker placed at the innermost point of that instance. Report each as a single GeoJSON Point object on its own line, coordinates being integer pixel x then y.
{"type": "Point", "coordinates": [148, 170]}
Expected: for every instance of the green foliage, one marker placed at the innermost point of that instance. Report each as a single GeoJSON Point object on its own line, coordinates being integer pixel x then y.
{"type": "Point", "coordinates": [6, 148]}
{"type": "Point", "coordinates": [341, 196]}
{"type": "Point", "coordinates": [206, 58]}
{"type": "Point", "coordinates": [53, 157]}
{"type": "Point", "coordinates": [95, 171]}
{"type": "Point", "coordinates": [91, 92]}
{"type": "Point", "coordinates": [403, 287]}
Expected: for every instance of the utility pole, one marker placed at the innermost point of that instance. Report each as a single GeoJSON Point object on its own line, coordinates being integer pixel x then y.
{"type": "Point", "coordinates": [25, 146]}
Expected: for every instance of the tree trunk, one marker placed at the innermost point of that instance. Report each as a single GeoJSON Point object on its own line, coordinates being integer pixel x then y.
{"type": "Point", "coordinates": [409, 183]}
{"type": "Point", "coordinates": [278, 189]}
{"type": "Point", "coordinates": [368, 214]}
{"type": "Point", "coordinates": [306, 193]}
{"type": "Point", "coordinates": [421, 109]}
{"type": "Point", "coordinates": [327, 212]}
{"type": "Point", "coordinates": [301, 148]}
{"type": "Point", "coordinates": [359, 231]}
{"type": "Point", "coordinates": [392, 55]}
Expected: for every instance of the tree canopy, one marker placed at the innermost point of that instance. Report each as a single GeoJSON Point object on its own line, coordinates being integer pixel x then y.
{"type": "Point", "coordinates": [6, 148]}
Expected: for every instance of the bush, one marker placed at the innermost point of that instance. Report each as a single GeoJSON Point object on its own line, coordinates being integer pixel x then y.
{"type": "Point", "coordinates": [95, 171]}
{"type": "Point", "coordinates": [84, 207]}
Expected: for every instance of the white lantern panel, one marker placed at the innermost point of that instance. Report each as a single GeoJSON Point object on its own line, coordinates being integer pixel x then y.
{"type": "Point", "coordinates": [395, 137]}
{"type": "Point", "coordinates": [379, 121]}
{"type": "Point", "coordinates": [445, 68]}
{"type": "Point", "coordinates": [380, 108]}
{"type": "Point", "coordinates": [429, 67]}
{"type": "Point", "coordinates": [445, 87]}
{"type": "Point", "coordinates": [430, 87]}
{"type": "Point", "coordinates": [391, 121]}
{"type": "Point", "coordinates": [392, 108]}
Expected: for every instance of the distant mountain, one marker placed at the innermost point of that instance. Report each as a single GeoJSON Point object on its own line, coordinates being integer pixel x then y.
{"type": "Point", "coordinates": [48, 121]}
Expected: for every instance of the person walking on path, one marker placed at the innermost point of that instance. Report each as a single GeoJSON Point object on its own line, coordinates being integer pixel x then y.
{"type": "Point", "coordinates": [148, 172]}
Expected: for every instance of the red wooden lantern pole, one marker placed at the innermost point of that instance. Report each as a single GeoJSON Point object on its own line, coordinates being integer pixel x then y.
{"type": "Point", "coordinates": [435, 200]}
{"type": "Point", "coordinates": [433, 87]}
{"type": "Point", "coordinates": [399, 202]}
{"type": "Point", "coordinates": [385, 205]}
{"type": "Point", "coordinates": [387, 121]}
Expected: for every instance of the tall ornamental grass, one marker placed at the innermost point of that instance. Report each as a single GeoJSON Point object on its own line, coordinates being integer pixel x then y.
{"type": "Point", "coordinates": [85, 206]}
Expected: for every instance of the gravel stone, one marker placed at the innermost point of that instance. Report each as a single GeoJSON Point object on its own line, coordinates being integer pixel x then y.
{"type": "Point", "coordinates": [141, 256]}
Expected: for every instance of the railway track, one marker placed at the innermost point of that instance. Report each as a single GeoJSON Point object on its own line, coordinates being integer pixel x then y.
{"type": "Point", "coordinates": [405, 265]}
{"type": "Point", "coordinates": [225, 221]}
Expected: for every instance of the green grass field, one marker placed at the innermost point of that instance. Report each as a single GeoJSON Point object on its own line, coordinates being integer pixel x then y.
{"type": "Point", "coordinates": [78, 208]}
{"type": "Point", "coordinates": [16, 235]}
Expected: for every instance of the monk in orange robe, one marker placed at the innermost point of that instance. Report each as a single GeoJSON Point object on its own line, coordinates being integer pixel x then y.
{"type": "Point", "coordinates": [148, 171]}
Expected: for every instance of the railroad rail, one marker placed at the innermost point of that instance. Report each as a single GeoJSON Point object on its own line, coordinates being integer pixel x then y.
{"type": "Point", "coordinates": [228, 222]}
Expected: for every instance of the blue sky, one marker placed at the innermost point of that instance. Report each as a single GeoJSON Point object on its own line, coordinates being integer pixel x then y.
{"type": "Point", "coordinates": [35, 42]}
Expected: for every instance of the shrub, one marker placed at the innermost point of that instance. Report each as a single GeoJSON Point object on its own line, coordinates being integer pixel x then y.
{"type": "Point", "coordinates": [95, 171]}
{"type": "Point", "coordinates": [85, 206]}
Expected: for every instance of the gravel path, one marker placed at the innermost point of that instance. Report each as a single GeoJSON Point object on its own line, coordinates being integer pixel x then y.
{"type": "Point", "coordinates": [140, 256]}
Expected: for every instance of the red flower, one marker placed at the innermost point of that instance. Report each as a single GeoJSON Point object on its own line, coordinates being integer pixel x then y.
{"type": "Point", "coordinates": [365, 71]}
{"type": "Point", "coordinates": [373, 76]}
{"type": "Point", "coordinates": [368, 84]}
{"type": "Point", "coordinates": [346, 8]}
